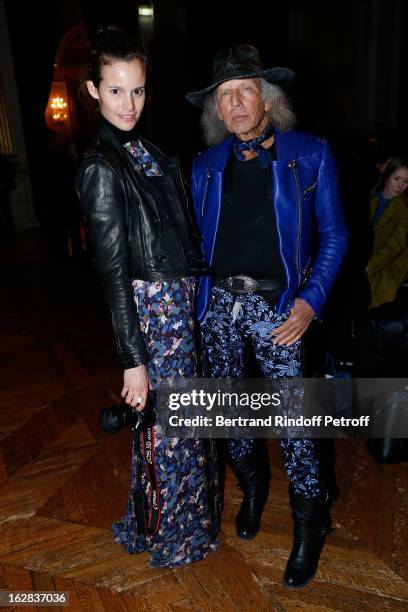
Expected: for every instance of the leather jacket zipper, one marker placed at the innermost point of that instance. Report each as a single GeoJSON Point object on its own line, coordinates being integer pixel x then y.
{"type": "Point", "coordinates": [188, 221]}
{"type": "Point", "coordinates": [116, 333]}
{"type": "Point", "coordinates": [308, 189]}
{"type": "Point", "coordinates": [292, 165]}
{"type": "Point", "coordinates": [205, 193]}
{"type": "Point", "coordinates": [307, 271]}
{"type": "Point", "coordinates": [180, 179]}
{"type": "Point", "coordinates": [186, 209]}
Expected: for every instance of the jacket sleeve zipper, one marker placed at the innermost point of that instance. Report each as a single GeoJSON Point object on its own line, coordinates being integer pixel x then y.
{"type": "Point", "coordinates": [307, 272]}
{"type": "Point", "coordinates": [292, 165]}
{"type": "Point", "coordinates": [116, 333]}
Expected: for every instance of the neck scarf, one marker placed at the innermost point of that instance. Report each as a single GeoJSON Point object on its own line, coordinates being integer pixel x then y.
{"type": "Point", "coordinates": [254, 145]}
{"type": "Point", "coordinates": [150, 166]}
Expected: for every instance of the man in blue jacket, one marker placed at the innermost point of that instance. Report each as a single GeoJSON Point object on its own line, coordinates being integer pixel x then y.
{"type": "Point", "coordinates": [268, 207]}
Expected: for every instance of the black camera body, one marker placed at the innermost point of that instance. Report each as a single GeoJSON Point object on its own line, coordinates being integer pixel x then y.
{"type": "Point", "coordinates": [112, 419]}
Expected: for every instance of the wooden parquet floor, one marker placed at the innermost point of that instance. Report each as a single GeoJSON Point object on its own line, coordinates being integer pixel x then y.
{"type": "Point", "coordinates": [62, 481]}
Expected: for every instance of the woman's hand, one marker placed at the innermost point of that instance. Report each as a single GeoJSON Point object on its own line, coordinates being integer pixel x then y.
{"type": "Point", "coordinates": [136, 384]}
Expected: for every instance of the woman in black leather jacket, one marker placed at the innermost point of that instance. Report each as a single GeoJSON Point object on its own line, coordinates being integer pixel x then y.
{"type": "Point", "coordinates": [146, 254]}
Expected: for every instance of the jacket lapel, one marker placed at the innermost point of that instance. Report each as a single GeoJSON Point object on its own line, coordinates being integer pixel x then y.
{"type": "Point", "coordinates": [386, 215]}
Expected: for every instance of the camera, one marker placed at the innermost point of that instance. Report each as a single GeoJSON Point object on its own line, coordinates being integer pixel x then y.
{"type": "Point", "coordinates": [112, 419]}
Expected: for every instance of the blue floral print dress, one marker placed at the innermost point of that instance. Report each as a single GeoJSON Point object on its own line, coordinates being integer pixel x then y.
{"type": "Point", "coordinates": [186, 469]}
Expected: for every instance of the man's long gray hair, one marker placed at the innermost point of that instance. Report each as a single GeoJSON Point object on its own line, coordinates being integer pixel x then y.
{"type": "Point", "coordinates": [280, 114]}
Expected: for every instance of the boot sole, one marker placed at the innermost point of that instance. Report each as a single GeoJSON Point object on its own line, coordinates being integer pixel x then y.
{"type": "Point", "coordinates": [299, 586]}
{"type": "Point", "coordinates": [242, 537]}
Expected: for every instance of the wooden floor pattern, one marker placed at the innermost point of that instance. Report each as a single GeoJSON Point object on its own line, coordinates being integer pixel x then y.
{"type": "Point", "coordinates": [62, 481]}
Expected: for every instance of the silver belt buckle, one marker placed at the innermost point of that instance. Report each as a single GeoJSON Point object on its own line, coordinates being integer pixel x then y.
{"type": "Point", "coordinates": [250, 284]}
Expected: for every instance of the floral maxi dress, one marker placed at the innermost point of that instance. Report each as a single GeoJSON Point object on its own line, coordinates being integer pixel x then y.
{"type": "Point", "coordinates": [186, 469]}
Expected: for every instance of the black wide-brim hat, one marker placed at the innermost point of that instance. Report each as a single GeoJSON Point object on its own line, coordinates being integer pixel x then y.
{"type": "Point", "coordinates": [240, 62]}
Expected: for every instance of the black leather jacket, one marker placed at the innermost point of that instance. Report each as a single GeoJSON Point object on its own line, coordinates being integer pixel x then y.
{"type": "Point", "coordinates": [140, 228]}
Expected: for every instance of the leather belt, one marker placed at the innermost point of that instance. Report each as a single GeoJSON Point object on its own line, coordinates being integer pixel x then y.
{"type": "Point", "coordinates": [245, 284]}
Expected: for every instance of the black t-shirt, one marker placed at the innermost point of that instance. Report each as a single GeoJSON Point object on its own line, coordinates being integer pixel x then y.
{"type": "Point", "coordinates": [247, 239]}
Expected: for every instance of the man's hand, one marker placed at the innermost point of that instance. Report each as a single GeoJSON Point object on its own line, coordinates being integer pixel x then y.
{"type": "Point", "coordinates": [136, 384]}
{"type": "Point", "coordinates": [296, 324]}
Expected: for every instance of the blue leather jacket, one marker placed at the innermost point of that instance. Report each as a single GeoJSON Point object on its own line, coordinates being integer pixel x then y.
{"type": "Point", "coordinates": [309, 216]}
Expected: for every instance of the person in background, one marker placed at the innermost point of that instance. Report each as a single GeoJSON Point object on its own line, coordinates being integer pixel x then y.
{"type": "Point", "coordinates": [148, 260]}
{"type": "Point", "coordinates": [387, 266]}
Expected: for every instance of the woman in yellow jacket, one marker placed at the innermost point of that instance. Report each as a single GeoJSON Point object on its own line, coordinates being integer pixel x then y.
{"type": "Point", "coordinates": [387, 266]}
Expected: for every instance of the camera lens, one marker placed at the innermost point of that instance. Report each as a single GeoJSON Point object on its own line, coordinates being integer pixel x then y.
{"type": "Point", "coordinates": [112, 420]}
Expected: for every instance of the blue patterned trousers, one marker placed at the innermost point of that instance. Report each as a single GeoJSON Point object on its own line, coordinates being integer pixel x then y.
{"type": "Point", "coordinates": [230, 322]}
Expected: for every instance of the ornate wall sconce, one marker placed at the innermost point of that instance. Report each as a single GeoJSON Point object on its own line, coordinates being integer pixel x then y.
{"type": "Point", "coordinates": [59, 109]}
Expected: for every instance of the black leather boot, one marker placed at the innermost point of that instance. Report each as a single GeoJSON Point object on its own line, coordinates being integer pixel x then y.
{"type": "Point", "coordinates": [253, 477]}
{"type": "Point", "coordinates": [311, 525]}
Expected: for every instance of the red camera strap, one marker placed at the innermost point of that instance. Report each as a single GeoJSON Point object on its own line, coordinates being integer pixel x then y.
{"type": "Point", "coordinates": [153, 522]}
